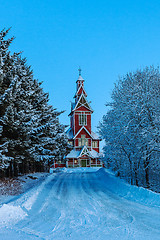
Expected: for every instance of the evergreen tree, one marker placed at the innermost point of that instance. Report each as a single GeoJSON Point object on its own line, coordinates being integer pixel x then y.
{"type": "Point", "coordinates": [31, 136]}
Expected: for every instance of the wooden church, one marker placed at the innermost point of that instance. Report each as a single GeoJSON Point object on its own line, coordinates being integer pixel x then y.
{"type": "Point", "coordinates": [85, 142]}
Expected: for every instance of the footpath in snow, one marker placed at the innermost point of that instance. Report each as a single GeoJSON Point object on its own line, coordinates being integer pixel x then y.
{"type": "Point", "coordinates": [82, 203]}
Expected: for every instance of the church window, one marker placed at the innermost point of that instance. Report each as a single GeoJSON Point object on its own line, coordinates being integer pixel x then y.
{"type": "Point", "coordinates": [82, 119]}
{"type": "Point", "coordinates": [94, 144]}
{"type": "Point", "coordinates": [79, 142]}
{"type": "Point", "coordinates": [82, 141]}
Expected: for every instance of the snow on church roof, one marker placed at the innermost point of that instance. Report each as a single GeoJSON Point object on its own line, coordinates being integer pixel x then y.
{"type": "Point", "coordinates": [80, 78]}
{"type": "Point", "coordinates": [76, 154]}
{"type": "Point", "coordinates": [94, 135]}
{"type": "Point", "coordinates": [69, 133]}
{"type": "Point", "coordinates": [73, 154]}
{"type": "Point", "coordinates": [94, 154]}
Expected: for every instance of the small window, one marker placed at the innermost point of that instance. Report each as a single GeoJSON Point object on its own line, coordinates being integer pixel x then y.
{"type": "Point", "coordinates": [75, 161]}
{"type": "Point", "coordinates": [70, 143]}
{"type": "Point", "coordinates": [94, 144]}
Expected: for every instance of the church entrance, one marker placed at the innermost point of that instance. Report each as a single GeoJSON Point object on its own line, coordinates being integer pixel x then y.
{"type": "Point", "coordinates": [84, 163]}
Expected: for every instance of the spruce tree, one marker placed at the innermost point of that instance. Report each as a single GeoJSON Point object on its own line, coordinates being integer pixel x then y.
{"type": "Point", "coordinates": [31, 136]}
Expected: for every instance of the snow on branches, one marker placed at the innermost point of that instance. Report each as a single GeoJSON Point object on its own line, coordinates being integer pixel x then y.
{"type": "Point", "coordinates": [131, 128]}
{"type": "Point", "coordinates": [30, 132]}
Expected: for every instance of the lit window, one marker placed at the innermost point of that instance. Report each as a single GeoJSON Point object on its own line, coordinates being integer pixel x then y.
{"type": "Point", "coordinates": [94, 144]}
{"type": "Point", "coordinates": [75, 161]}
{"type": "Point", "coordinates": [70, 143]}
{"type": "Point", "coordinates": [79, 142]}
{"type": "Point", "coordinates": [82, 141]}
{"type": "Point", "coordinates": [82, 119]}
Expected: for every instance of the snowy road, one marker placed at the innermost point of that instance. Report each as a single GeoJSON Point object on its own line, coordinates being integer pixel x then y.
{"type": "Point", "coordinates": [82, 205]}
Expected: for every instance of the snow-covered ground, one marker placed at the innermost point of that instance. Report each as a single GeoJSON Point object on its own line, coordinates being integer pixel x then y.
{"type": "Point", "coordinates": [87, 204]}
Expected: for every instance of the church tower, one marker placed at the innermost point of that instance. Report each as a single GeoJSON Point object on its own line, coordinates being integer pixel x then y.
{"type": "Point", "coordinates": [85, 142]}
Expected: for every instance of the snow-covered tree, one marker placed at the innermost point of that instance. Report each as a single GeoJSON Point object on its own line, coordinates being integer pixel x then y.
{"type": "Point", "coordinates": [131, 128]}
{"type": "Point", "coordinates": [31, 136]}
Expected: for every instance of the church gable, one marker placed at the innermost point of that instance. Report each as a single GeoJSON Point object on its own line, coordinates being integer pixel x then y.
{"type": "Point", "coordinates": [84, 152]}
{"type": "Point", "coordinates": [80, 91]}
{"type": "Point", "coordinates": [82, 102]}
{"type": "Point", "coordinates": [83, 131]}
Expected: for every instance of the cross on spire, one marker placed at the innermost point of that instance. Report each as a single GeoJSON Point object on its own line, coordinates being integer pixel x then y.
{"type": "Point", "coordinates": [80, 70]}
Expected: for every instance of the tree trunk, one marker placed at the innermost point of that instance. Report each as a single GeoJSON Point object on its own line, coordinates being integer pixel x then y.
{"type": "Point", "coordinates": [16, 170]}
{"type": "Point", "coordinates": [146, 165]}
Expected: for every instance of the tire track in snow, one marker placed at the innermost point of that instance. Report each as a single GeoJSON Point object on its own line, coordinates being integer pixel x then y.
{"type": "Point", "coordinates": [72, 218]}
{"type": "Point", "coordinates": [78, 205]}
{"type": "Point", "coordinates": [109, 215]}
{"type": "Point", "coordinates": [128, 212]}
{"type": "Point", "coordinates": [68, 194]}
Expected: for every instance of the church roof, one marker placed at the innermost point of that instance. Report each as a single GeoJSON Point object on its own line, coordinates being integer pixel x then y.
{"type": "Point", "coordinates": [78, 91]}
{"type": "Point", "coordinates": [73, 154]}
{"type": "Point", "coordinates": [80, 78]}
{"type": "Point", "coordinates": [83, 151]}
{"type": "Point", "coordinates": [94, 135]}
{"type": "Point", "coordinates": [69, 133]}
{"type": "Point", "coordinates": [83, 127]}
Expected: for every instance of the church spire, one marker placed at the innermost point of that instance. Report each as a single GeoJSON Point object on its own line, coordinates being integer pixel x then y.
{"type": "Point", "coordinates": [80, 70]}
{"type": "Point", "coordinates": [80, 79]}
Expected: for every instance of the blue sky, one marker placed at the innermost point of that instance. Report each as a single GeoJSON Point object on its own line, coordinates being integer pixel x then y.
{"type": "Point", "coordinates": [106, 38]}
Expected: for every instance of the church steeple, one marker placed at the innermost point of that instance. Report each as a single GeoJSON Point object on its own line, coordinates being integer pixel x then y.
{"type": "Point", "coordinates": [80, 80]}
{"type": "Point", "coordinates": [80, 86]}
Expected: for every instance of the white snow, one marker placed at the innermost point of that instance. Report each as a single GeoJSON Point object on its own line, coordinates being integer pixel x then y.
{"type": "Point", "coordinates": [80, 78]}
{"type": "Point", "coordinates": [10, 214]}
{"type": "Point", "coordinates": [82, 204]}
{"type": "Point", "coordinates": [76, 154]}
{"type": "Point", "coordinates": [31, 200]}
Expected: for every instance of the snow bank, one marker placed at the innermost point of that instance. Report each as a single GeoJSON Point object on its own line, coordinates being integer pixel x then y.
{"type": "Point", "coordinates": [11, 214]}
{"type": "Point", "coordinates": [129, 192]}
{"type": "Point", "coordinates": [18, 208]}
{"type": "Point", "coordinates": [31, 200]}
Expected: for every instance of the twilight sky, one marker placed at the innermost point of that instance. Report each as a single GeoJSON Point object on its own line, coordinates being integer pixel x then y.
{"type": "Point", "coordinates": [106, 38]}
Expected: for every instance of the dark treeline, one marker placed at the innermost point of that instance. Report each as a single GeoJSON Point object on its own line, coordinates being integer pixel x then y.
{"type": "Point", "coordinates": [131, 128]}
{"type": "Point", "coordinates": [31, 136]}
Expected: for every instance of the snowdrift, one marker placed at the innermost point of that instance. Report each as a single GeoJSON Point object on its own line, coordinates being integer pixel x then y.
{"type": "Point", "coordinates": [120, 187]}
